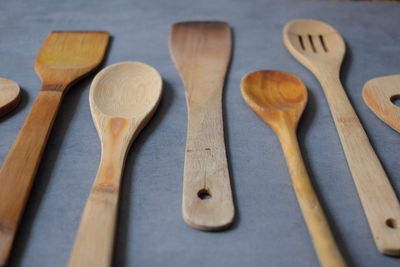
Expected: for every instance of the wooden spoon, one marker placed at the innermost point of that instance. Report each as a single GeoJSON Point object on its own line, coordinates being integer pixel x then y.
{"type": "Point", "coordinates": [64, 58]}
{"type": "Point", "coordinates": [379, 93]}
{"type": "Point", "coordinates": [279, 98]}
{"type": "Point", "coordinates": [320, 48]}
{"type": "Point", "coordinates": [123, 98]}
{"type": "Point", "coordinates": [201, 52]}
{"type": "Point", "coordinates": [10, 95]}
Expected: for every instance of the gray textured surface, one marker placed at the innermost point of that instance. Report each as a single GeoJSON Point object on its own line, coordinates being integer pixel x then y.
{"type": "Point", "coordinates": [269, 228]}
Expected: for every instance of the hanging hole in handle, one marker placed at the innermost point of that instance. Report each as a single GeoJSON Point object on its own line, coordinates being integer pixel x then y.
{"type": "Point", "coordinates": [392, 223]}
{"type": "Point", "coordinates": [204, 194]}
{"type": "Point", "coordinates": [395, 100]}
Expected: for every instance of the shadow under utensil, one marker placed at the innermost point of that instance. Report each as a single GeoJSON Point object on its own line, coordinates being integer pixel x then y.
{"type": "Point", "coordinates": [49, 158]}
{"type": "Point", "coordinates": [24, 99]}
{"type": "Point", "coordinates": [124, 220]}
{"type": "Point", "coordinates": [304, 124]}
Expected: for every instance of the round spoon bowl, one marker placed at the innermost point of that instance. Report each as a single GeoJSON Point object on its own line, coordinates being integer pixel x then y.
{"type": "Point", "coordinates": [274, 89]}
{"type": "Point", "coordinates": [270, 93]}
{"type": "Point", "coordinates": [128, 89]}
{"type": "Point", "coordinates": [9, 95]}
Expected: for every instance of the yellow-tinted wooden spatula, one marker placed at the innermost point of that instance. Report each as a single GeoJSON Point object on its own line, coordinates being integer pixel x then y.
{"type": "Point", "coordinates": [62, 60]}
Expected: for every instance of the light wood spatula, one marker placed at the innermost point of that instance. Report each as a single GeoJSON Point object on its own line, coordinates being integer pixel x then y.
{"type": "Point", "coordinates": [320, 48]}
{"type": "Point", "coordinates": [201, 52]}
{"type": "Point", "coordinates": [379, 93]}
{"type": "Point", "coordinates": [10, 95]}
{"type": "Point", "coordinates": [62, 60]}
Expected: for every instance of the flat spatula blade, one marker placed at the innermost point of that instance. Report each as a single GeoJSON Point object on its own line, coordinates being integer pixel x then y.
{"type": "Point", "coordinates": [67, 55]}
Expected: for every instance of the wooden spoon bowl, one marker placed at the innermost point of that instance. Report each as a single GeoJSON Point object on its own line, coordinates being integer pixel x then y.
{"type": "Point", "coordinates": [129, 89]}
{"type": "Point", "coordinates": [275, 96]}
{"type": "Point", "coordinates": [10, 95]}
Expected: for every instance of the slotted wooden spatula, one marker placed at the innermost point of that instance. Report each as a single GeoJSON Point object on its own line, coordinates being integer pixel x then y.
{"type": "Point", "coordinates": [320, 48]}
{"type": "Point", "coordinates": [201, 52]}
{"type": "Point", "coordinates": [63, 59]}
{"type": "Point", "coordinates": [379, 93]}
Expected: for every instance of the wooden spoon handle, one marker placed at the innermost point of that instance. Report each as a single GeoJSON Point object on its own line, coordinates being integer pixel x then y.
{"type": "Point", "coordinates": [378, 199]}
{"type": "Point", "coordinates": [20, 166]}
{"type": "Point", "coordinates": [324, 243]}
{"type": "Point", "coordinates": [95, 238]}
{"type": "Point", "coordinates": [207, 196]}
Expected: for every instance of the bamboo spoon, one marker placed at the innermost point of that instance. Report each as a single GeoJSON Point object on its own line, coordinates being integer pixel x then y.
{"type": "Point", "coordinates": [320, 48]}
{"type": "Point", "coordinates": [123, 98]}
{"type": "Point", "coordinates": [62, 60]}
{"type": "Point", "coordinates": [201, 52]}
{"type": "Point", "coordinates": [279, 98]}
{"type": "Point", "coordinates": [379, 93]}
{"type": "Point", "coordinates": [10, 95]}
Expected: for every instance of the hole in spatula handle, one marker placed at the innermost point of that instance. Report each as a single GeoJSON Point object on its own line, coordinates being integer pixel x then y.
{"type": "Point", "coordinates": [391, 223]}
{"type": "Point", "coordinates": [204, 194]}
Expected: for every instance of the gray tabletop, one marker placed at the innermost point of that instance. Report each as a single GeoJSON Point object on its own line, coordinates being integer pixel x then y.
{"type": "Point", "coordinates": [269, 228]}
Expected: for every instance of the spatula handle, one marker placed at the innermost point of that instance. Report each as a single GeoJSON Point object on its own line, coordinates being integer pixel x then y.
{"type": "Point", "coordinates": [378, 199]}
{"type": "Point", "coordinates": [20, 166]}
{"type": "Point", "coordinates": [207, 197]}
{"type": "Point", "coordinates": [324, 243]}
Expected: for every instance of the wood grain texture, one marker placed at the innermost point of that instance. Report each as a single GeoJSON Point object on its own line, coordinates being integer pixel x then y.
{"type": "Point", "coordinates": [379, 93]}
{"type": "Point", "coordinates": [123, 98]}
{"type": "Point", "coordinates": [63, 58]}
{"type": "Point", "coordinates": [10, 95]}
{"type": "Point", "coordinates": [279, 99]}
{"type": "Point", "coordinates": [201, 52]}
{"type": "Point", "coordinates": [378, 199]}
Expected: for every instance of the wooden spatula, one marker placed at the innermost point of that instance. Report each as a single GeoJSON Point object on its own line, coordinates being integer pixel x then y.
{"type": "Point", "coordinates": [320, 48]}
{"type": "Point", "coordinates": [63, 59]}
{"type": "Point", "coordinates": [9, 95]}
{"type": "Point", "coordinates": [379, 93]}
{"type": "Point", "coordinates": [201, 52]}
